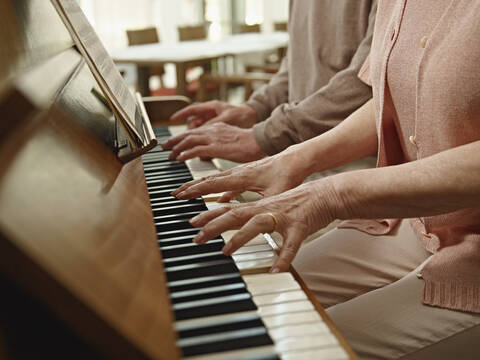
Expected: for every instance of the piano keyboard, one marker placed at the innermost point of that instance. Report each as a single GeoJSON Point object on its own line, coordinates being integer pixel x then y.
{"type": "Point", "coordinates": [221, 313]}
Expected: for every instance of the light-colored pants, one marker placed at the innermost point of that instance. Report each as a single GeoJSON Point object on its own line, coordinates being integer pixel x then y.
{"type": "Point", "coordinates": [370, 287]}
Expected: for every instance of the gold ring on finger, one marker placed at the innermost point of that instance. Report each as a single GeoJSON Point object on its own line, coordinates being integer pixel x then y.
{"type": "Point", "coordinates": [275, 221]}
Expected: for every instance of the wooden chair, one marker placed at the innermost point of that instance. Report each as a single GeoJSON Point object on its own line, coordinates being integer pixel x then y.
{"type": "Point", "coordinates": [228, 81]}
{"type": "Point", "coordinates": [146, 36]}
{"type": "Point", "coordinates": [188, 33]}
{"type": "Point", "coordinates": [192, 33]}
{"type": "Point", "coordinates": [280, 26]}
{"type": "Point", "coordinates": [244, 28]}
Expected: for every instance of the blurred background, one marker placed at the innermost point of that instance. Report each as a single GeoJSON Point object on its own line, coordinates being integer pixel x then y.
{"type": "Point", "coordinates": [236, 45]}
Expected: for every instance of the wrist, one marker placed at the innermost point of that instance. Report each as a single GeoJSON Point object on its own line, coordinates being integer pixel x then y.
{"type": "Point", "coordinates": [249, 116]}
{"type": "Point", "coordinates": [304, 161]}
{"type": "Point", "coordinates": [254, 150]}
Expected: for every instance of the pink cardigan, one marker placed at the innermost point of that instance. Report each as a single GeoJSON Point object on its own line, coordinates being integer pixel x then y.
{"type": "Point", "coordinates": [424, 68]}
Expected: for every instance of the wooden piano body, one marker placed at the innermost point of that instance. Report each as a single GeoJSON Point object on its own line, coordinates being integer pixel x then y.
{"type": "Point", "coordinates": [80, 271]}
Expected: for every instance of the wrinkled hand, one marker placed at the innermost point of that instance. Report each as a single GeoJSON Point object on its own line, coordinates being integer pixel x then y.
{"type": "Point", "coordinates": [217, 140]}
{"type": "Point", "coordinates": [294, 214]}
{"type": "Point", "coordinates": [216, 111]}
{"type": "Point", "coordinates": [269, 176]}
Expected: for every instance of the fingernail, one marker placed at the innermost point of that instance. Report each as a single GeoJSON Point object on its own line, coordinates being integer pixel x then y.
{"type": "Point", "coordinates": [275, 270]}
{"type": "Point", "coordinates": [194, 219]}
{"type": "Point", "coordinates": [227, 248]}
{"type": "Point", "coordinates": [198, 238]}
{"type": "Point", "coordinates": [180, 195]}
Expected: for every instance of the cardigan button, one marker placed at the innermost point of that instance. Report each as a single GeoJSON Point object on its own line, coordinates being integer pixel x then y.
{"type": "Point", "coordinates": [423, 41]}
{"type": "Point", "coordinates": [412, 140]}
{"type": "Point", "coordinates": [427, 235]}
{"type": "Point", "coordinates": [419, 276]}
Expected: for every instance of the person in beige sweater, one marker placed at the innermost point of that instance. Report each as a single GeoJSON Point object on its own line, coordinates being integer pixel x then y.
{"type": "Point", "coordinates": [315, 89]}
{"type": "Point", "coordinates": [400, 277]}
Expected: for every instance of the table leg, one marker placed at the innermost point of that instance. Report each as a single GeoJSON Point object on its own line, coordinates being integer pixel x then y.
{"type": "Point", "coordinates": [143, 78]}
{"type": "Point", "coordinates": [181, 79]}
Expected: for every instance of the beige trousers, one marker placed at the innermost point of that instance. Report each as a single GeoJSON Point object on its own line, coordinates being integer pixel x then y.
{"type": "Point", "coordinates": [370, 287]}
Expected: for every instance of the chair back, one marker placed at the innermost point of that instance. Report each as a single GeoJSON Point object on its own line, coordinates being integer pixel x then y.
{"type": "Point", "coordinates": [244, 28]}
{"type": "Point", "coordinates": [280, 26]}
{"type": "Point", "coordinates": [143, 36]}
{"type": "Point", "coordinates": [197, 32]}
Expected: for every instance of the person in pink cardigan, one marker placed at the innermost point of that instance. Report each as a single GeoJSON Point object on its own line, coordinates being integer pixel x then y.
{"type": "Point", "coordinates": [400, 276]}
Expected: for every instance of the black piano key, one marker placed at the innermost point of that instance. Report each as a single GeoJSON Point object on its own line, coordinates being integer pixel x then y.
{"type": "Point", "coordinates": [190, 248]}
{"type": "Point", "coordinates": [175, 233]}
{"type": "Point", "coordinates": [234, 340]}
{"type": "Point", "coordinates": [208, 293]}
{"type": "Point", "coordinates": [176, 240]}
{"type": "Point", "coordinates": [237, 322]}
{"type": "Point", "coordinates": [154, 184]}
{"type": "Point", "coordinates": [171, 186]}
{"type": "Point", "coordinates": [173, 225]}
{"type": "Point", "coordinates": [179, 209]}
{"type": "Point", "coordinates": [164, 199]}
{"type": "Point", "coordinates": [204, 282]}
{"type": "Point", "coordinates": [214, 306]}
{"type": "Point", "coordinates": [180, 216]}
{"type": "Point", "coordinates": [162, 175]}
{"type": "Point", "coordinates": [166, 167]}
{"type": "Point", "coordinates": [200, 270]}
{"type": "Point", "coordinates": [194, 259]}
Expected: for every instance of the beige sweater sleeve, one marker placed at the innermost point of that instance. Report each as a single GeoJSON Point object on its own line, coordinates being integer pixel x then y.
{"type": "Point", "coordinates": [327, 107]}
{"type": "Point", "coordinates": [271, 95]}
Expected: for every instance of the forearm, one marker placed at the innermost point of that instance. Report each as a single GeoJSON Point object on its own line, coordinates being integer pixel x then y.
{"type": "Point", "coordinates": [269, 96]}
{"type": "Point", "coordinates": [442, 183]}
{"type": "Point", "coordinates": [353, 139]}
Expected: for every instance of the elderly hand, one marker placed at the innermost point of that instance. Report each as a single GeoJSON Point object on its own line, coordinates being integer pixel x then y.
{"type": "Point", "coordinates": [216, 111]}
{"type": "Point", "coordinates": [217, 140]}
{"type": "Point", "coordinates": [269, 176]}
{"type": "Point", "coordinates": [294, 214]}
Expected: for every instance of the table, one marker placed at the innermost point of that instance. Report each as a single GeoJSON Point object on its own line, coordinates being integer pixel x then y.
{"type": "Point", "coordinates": [195, 53]}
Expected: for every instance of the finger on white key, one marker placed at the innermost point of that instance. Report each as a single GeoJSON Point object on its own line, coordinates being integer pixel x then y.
{"type": "Point", "coordinates": [329, 353]}
{"type": "Point", "coordinates": [303, 317]}
{"type": "Point", "coordinates": [279, 298]}
{"type": "Point", "coordinates": [291, 307]}
{"type": "Point", "coordinates": [255, 226]}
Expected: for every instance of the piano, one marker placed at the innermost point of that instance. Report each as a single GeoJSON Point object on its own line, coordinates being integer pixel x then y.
{"type": "Point", "coordinates": [96, 258]}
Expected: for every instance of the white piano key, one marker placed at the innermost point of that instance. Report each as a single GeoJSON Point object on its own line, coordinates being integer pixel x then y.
{"type": "Point", "coordinates": [177, 129]}
{"type": "Point", "coordinates": [237, 354]}
{"type": "Point", "coordinates": [183, 325]}
{"type": "Point", "coordinates": [301, 330]}
{"type": "Point", "coordinates": [330, 353]}
{"type": "Point", "coordinates": [280, 320]}
{"type": "Point", "coordinates": [257, 240]}
{"type": "Point", "coordinates": [269, 278]}
{"type": "Point", "coordinates": [253, 256]}
{"type": "Point", "coordinates": [253, 249]}
{"type": "Point", "coordinates": [284, 308]}
{"type": "Point", "coordinates": [261, 264]}
{"type": "Point", "coordinates": [278, 298]}
{"type": "Point", "coordinates": [275, 285]}
{"type": "Point", "coordinates": [306, 343]}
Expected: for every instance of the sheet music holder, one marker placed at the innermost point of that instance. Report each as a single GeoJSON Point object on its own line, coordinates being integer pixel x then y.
{"type": "Point", "coordinates": [134, 134]}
